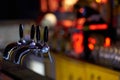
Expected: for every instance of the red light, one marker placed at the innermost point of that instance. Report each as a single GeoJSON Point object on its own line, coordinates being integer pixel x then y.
{"type": "Point", "coordinates": [104, 1]}
{"type": "Point", "coordinates": [98, 27]}
{"type": "Point", "coordinates": [78, 42]}
{"type": "Point", "coordinates": [107, 42]}
{"type": "Point", "coordinates": [92, 40]}
{"type": "Point", "coordinates": [91, 46]}
{"type": "Point", "coordinates": [79, 27]}
{"type": "Point", "coordinates": [81, 10]}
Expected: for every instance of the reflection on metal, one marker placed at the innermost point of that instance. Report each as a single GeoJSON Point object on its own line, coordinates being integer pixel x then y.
{"type": "Point", "coordinates": [37, 67]}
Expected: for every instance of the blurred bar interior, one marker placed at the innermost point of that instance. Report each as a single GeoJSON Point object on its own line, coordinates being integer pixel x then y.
{"type": "Point", "coordinates": [84, 39]}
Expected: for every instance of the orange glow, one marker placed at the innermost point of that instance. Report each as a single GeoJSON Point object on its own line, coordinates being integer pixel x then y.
{"type": "Point", "coordinates": [78, 42]}
{"type": "Point", "coordinates": [104, 1]}
{"type": "Point", "coordinates": [91, 46]}
{"type": "Point", "coordinates": [43, 5]}
{"type": "Point", "coordinates": [98, 27]}
{"type": "Point", "coordinates": [101, 1]}
{"type": "Point", "coordinates": [67, 23]}
{"type": "Point", "coordinates": [107, 42]}
{"type": "Point", "coordinates": [81, 21]}
{"type": "Point", "coordinates": [53, 5]}
{"type": "Point", "coordinates": [98, 1]}
{"type": "Point", "coordinates": [68, 2]}
{"type": "Point", "coordinates": [92, 40]}
{"type": "Point", "coordinates": [48, 5]}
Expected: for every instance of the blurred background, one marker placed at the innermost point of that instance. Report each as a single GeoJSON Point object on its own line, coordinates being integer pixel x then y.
{"type": "Point", "coordinates": [84, 36]}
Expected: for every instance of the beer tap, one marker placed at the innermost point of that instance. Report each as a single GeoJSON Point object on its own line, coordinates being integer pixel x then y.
{"type": "Point", "coordinates": [26, 48]}
{"type": "Point", "coordinates": [41, 48]}
{"type": "Point", "coordinates": [14, 45]}
{"type": "Point", "coordinates": [45, 48]}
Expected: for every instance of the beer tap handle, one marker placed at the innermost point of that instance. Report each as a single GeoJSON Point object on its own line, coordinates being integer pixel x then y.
{"type": "Point", "coordinates": [32, 33]}
{"type": "Point", "coordinates": [21, 31]}
{"type": "Point", "coordinates": [45, 34]}
{"type": "Point", "coordinates": [38, 33]}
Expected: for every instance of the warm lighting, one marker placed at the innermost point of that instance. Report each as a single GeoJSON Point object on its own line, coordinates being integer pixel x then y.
{"type": "Point", "coordinates": [53, 5]}
{"type": "Point", "coordinates": [98, 27]}
{"type": "Point", "coordinates": [49, 20]}
{"type": "Point", "coordinates": [91, 46]}
{"type": "Point", "coordinates": [101, 1]}
{"type": "Point", "coordinates": [43, 5]}
{"type": "Point", "coordinates": [104, 1]}
{"type": "Point", "coordinates": [80, 23]}
{"type": "Point", "coordinates": [78, 42]}
{"type": "Point", "coordinates": [98, 1]}
{"type": "Point", "coordinates": [70, 2]}
{"type": "Point", "coordinates": [107, 42]}
{"type": "Point", "coordinates": [49, 5]}
{"type": "Point", "coordinates": [80, 27]}
{"type": "Point", "coordinates": [92, 40]}
{"type": "Point", "coordinates": [67, 23]}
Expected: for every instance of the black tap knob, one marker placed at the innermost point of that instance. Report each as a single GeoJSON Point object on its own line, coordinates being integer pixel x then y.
{"type": "Point", "coordinates": [38, 34]}
{"type": "Point", "coordinates": [21, 31]}
{"type": "Point", "coordinates": [31, 43]}
{"type": "Point", "coordinates": [24, 50]}
{"type": "Point", "coordinates": [14, 45]}
{"type": "Point", "coordinates": [45, 34]}
{"type": "Point", "coordinates": [32, 33]}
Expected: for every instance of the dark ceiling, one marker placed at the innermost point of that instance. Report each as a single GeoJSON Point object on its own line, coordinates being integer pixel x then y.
{"type": "Point", "coordinates": [19, 9]}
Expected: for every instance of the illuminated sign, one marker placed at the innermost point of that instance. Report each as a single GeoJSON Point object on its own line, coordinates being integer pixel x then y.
{"type": "Point", "coordinates": [77, 39]}
{"type": "Point", "coordinates": [98, 27]}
